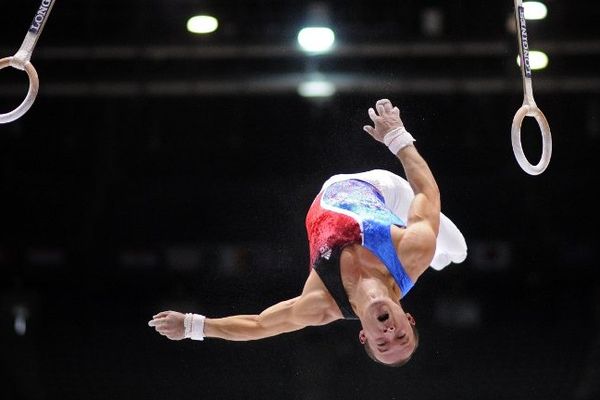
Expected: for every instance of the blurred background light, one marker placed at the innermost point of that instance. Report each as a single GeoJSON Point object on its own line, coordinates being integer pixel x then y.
{"type": "Point", "coordinates": [202, 24]}
{"type": "Point", "coordinates": [535, 10]}
{"type": "Point", "coordinates": [316, 39]}
{"type": "Point", "coordinates": [21, 313]}
{"type": "Point", "coordinates": [316, 88]}
{"type": "Point", "coordinates": [537, 60]}
{"type": "Point", "coordinates": [432, 21]}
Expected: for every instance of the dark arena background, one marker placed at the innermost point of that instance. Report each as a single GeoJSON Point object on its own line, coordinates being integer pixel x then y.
{"type": "Point", "coordinates": [161, 169]}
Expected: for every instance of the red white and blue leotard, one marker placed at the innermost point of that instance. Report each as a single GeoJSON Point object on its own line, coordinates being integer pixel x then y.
{"type": "Point", "coordinates": [353, 211]}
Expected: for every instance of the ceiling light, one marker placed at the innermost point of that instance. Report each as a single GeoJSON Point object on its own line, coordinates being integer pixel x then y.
{"type": "Point", "coordinates": [535, 10]}
{"type": "Point", "coordinates": [202, 24]}
{"type": "Point", "coordinates": [316, 39]}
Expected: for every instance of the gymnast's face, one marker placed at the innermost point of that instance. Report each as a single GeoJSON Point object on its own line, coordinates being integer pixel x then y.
{"type": "Point", "coordinates": [387, 330]}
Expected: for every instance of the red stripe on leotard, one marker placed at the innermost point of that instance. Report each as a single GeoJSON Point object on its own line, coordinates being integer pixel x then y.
{"type": "Point", "coordinates": [328, 229]}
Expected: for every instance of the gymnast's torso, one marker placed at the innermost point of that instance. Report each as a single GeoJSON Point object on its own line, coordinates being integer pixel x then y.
{"type": "Point", "coordinates": [349, 220]}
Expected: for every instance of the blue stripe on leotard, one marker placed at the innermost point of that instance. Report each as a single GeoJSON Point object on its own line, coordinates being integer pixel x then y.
{"type": "Point", "coordinates": [364, 203]}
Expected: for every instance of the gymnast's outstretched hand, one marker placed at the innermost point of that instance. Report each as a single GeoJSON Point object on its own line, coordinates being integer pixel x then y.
{"type": "Point", "coordinates": [385, 119]}
{"type": "Point", "coordinates": [169, 324]}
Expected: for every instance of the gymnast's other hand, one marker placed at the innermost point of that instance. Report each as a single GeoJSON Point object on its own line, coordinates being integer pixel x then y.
{"type": "Point", "coordinates": [169, 324]}
{"type": "Point", "coordinates": [385, 119]}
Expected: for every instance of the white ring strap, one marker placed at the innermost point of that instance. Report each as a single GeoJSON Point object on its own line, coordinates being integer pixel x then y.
{"type": "Point", "coordinates": [21, 61]}
{"type": "Point", "coordinates": [529, 108]}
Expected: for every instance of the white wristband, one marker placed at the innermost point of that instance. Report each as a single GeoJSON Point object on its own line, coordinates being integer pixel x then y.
{"type": "Point", "coordinates": [398, 139]}
{"type": "Point", "coordinates": [194, 326]}
{"type": "Point", "coordinates": [187, 325]}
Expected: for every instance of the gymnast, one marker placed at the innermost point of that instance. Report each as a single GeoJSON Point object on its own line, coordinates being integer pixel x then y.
{"type": "Point", "coordinates": [371, 236]}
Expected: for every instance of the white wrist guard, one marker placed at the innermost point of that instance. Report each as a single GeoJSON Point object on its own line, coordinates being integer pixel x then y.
{"type": "Point", "coordinates": [398, 139]}
{"type": "Point", "coordinates": [193, 325]}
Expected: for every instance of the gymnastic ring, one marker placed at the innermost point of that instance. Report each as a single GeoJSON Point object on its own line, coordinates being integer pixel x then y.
{"type": "Point", "coordinates": [34, 85]}
{"type": "Point", "coordinates": [531, 111]}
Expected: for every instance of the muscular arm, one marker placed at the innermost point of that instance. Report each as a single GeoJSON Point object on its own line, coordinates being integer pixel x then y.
{"type": "Point", "coordinates": [417, 247]}
{"type": "Point", "coordinates": [313, 307]}
{"type": "Point", "coordinates": [426, 204]}
{"type": "Point", "coordinates": [286, 316]}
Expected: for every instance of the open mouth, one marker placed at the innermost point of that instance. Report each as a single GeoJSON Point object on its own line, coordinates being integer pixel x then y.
{"type": "Point", "coordinates": [383, 317]}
